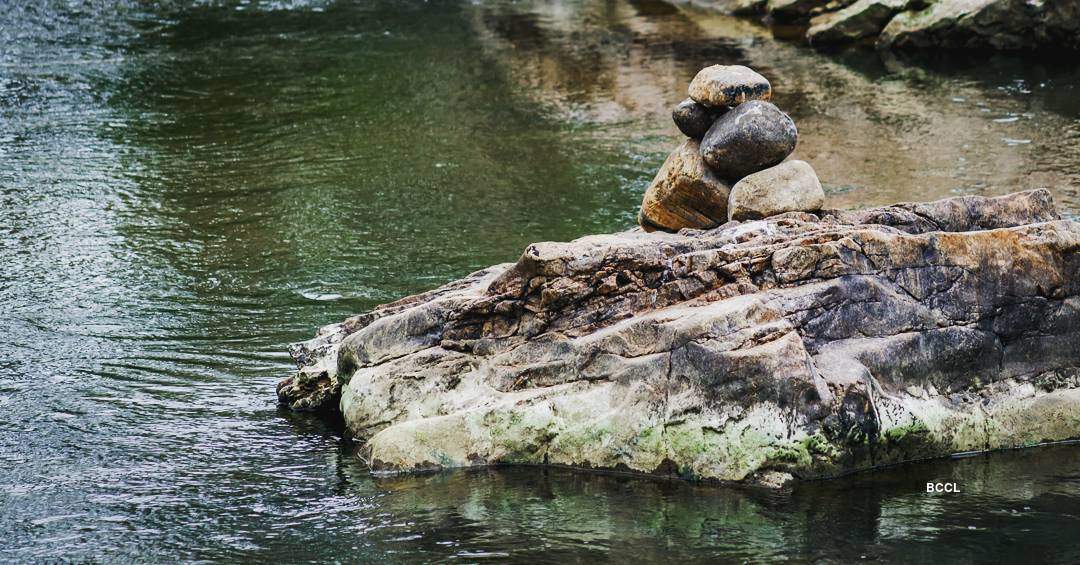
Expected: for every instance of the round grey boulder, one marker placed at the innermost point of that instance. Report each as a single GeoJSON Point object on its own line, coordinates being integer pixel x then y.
{"type": "Point", "coordinates": [694, 119]}
{"type": "Point", "coordinates": [791, 186]}
{"type": "Point", "coordinates": [728, 85]}
{"type": "Point", "coordinates": [751, 137]}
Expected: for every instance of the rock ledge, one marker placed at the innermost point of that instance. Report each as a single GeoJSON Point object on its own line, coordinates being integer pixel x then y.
{"type": "Point", "coordinates": [803, 345]}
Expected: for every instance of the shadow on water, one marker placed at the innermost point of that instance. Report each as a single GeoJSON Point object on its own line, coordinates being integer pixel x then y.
{"type": "Point", "coordinates": [186, 188]}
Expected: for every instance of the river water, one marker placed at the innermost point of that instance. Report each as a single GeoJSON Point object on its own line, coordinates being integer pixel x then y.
{"type": "Point", "coordinates": [186, 188]}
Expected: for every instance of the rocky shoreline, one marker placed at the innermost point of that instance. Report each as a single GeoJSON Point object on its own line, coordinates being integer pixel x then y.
{"type": "Point", "coordinates": [1009, 25]}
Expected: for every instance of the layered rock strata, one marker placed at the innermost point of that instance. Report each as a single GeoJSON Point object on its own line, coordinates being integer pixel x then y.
{"type": "Point", "coordinates": [803, 345]}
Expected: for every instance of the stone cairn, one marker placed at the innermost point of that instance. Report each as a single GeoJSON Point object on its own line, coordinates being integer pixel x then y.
{"type": "Point", "coordinates": [732, 166]}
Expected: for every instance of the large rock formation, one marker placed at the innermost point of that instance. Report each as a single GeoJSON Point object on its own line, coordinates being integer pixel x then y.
{"type": "Point", "coordinates": [801, 345]}
{"type": "Point", "coordinates": [980, 24]}
{"type": "Point", "coordinates": [926, 24]}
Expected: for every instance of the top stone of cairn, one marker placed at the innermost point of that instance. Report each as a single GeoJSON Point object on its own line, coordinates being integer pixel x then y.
{"type": "Point", "coordinates": [728, 85]}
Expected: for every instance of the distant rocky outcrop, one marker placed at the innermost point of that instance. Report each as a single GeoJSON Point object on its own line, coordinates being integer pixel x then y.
{"type": "Point", "coordinates": [924, 24]}
{"type": "Point", "coordinates": [802, 345]}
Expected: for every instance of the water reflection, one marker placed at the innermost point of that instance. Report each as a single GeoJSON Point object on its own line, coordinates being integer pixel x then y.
{"type": "Point", "coordinates": [186, 188]}
{"type": "Point", "coordinates": [557, 515]}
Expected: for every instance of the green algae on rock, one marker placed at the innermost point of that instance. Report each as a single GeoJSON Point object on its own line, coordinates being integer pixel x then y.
{"type": "Point", "coordinates": [803, 345]}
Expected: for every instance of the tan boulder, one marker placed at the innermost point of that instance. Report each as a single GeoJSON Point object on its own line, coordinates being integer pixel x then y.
{"type": "Point", "coordinates": [791, 186]}
{"type": "Point", "coordinates": [684, 194]}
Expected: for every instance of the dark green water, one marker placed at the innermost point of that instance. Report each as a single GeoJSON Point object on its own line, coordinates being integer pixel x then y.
{"type": "Point", "coordinates": [185, 189]}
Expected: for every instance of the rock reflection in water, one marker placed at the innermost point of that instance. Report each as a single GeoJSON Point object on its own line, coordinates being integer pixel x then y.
{"type": "Point", "coordinates": [888, 516]}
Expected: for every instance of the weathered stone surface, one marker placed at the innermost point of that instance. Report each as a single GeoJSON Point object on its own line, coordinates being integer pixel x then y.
{"type": "Point", "coordinates": [791, 186]}
{"type": "Point", "coordinates": [862, 20]}
{"type": "Point", "coordinates": [694, 119]}
{"type": "Point", "coordinates": [802, 345]}
{"type": "Point", "coordinates": [751, 137]}
{"type": "Point", "coordinates": [728, 85]}
{"type": "Point", "coordinates": [922, 24]}
{"type": "Point", "coordinates": [684, 194]}
{"type": "Point", "coordinates": [996, 24]}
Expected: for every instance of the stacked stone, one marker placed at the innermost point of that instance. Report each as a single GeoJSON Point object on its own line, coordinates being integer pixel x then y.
{"type": "Point", "coordinates": [732, 166]}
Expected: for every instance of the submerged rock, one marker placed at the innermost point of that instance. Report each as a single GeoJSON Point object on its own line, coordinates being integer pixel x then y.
{"type": "Point", "coordinates": [751, 137]}
{"type": "Point", "coordinates": [802, 345]}
{"type": "Point", "coordinates": [694, 119]}
{"type": "Point", "coordinates": [791, 186]}
{"type": "Point", "coordinates": [747, 7]}
{"type": "Point", "coordinates": [728, 85]}
{"type": "Point", "coordinates": [684, 194]}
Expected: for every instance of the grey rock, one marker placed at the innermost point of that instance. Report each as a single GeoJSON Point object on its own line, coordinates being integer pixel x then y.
{"type": "Point", "coordinates": [747, 7]}
{"type": "Point", "coordinates": [751, 137]}
{"type": "Point", "coordinates": [791, 186]}
{"type": "Point", "coordinates": [684, 194]}
{"type": "Point", "coordinates": [981, 24]}
{"type": "Point", "coordinates": [799, 346]}
{"type": "Point", "coordinates": [862, 20]}
{"type": "Point", "coordinates": [728, 85]}
{"type": "Point", "coordinates": [694, 119]}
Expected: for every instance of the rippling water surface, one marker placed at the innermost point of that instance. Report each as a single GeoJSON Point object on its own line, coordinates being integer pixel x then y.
{"type": "Point", "coordinates": [185, 189]}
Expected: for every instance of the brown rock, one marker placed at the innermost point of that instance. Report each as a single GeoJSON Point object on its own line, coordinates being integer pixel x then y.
{"type": "Point", "coordinates": [684, 194]}
{"type": "Point", "coordinates": [792, 10]}
{"type": "Point", "coordinates": [694, 119]}
{"type": "Point", "coordinates": [862, 20]}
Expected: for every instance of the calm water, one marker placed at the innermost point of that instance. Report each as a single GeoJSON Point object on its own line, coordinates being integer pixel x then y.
{"type": "Point", "coordinates": [185, 189]}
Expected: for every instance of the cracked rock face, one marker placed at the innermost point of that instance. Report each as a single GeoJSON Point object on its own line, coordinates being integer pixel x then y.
{"type": "Point", "coordinates": [798, 346]}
